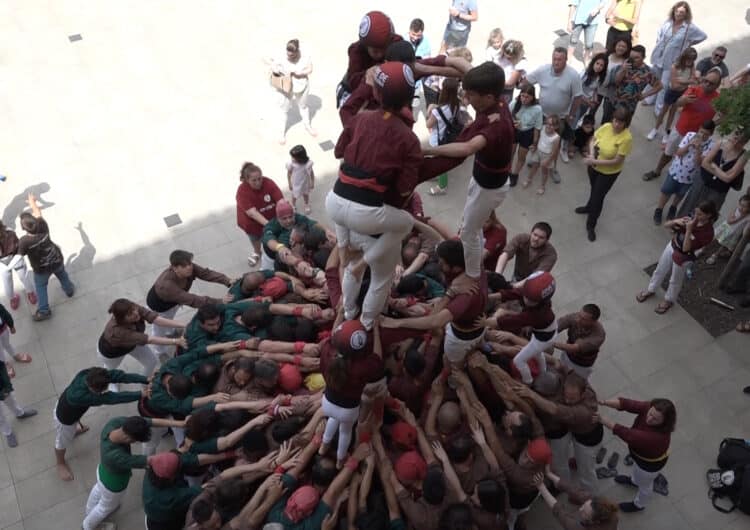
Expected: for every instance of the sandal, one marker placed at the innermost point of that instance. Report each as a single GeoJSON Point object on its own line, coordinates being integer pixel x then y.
{"type": "Point", "coordinates": [643, 296]}
{"type": "Point", "coordinates": [540, 191]}
{"type": "Point", "coordinates": [22, 358]}
{"type": "Point", "coordinates": [11, 371]}
{"type": "Point", "coordinates": [526, 183]}
{"type": "Point", "coordinates": [663, 307]}
{"type": "Point", "coordinates": [81, 429]}
{"type": "Point", "coordinates": [711, 260]}
{"type": "Point", "coordinates": [743, 327]}
{"type": "Point", "coordinates": [437, 190]}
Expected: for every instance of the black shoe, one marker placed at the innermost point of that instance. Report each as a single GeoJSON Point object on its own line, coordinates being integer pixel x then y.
{"type": "Point", "coordinates": [41, 315]}
{"type": "Point", "coordinates": [600, 455]}
{"type": "Point", "coordinates": [672, 212]}
{"type": "Point", "coordinates": [661, 485]}
{"type": "Point", "coordinates": [591, 234]}
{"type": "Point", "coordinates": [582, 209]}
{"type": "Point", "coordinates": [625, 481]}
{"type": "Point", "coordinates": [649, 175]}
{"type": "Point", "coordinates": [745, 302]}
{"type": "Point", "coordinates": [27, 413]}
{"type": "Point", "coordinates": [613, 460]}
{"type": "Point", "coordinates": [513, 180]}
{"type": "Point", "coordinates": [746, 390]}
{"type": "Point", "coordinates": [657, 216]}
{"type": "Point", "coordinates": [628, 460]}
{"type": "Point", "coordinates": [629, 507]}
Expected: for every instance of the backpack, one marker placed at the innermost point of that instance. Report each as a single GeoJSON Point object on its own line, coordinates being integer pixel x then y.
{"type": "Point", "coordinates": [453, 127]}
{"type": "Point", "coordinates": [729, 486]}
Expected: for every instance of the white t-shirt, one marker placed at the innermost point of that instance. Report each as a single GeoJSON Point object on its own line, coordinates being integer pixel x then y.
{"type": "Point", "coordinates": [492, 55]}
{"type": "Point", "coordinates": [508, 67]}
{"type": "Point", "coordinates": [285, 67]}
{"type": "Point", "coordinates": [439, 129]}
{"type": "Point", "coordinates": [300, 176]}
{"type": "Point", "coordinates": [684, 167]}
{"type": "Point", "coordinates": [546, 142]}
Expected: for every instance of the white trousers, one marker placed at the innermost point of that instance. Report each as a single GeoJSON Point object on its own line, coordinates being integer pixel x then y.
{"type": "Point", "coordinates": [657, 100]}
{"type": "Point", "coordinates": [287, 102]}
{"type": "Point", "coordinates": [666, 266]}
{"type": "Point", "coordinates": [16, 263]}
{"type": "Point", "coordinates": [100, 504]}
{"type": "Point", "coordinates": [456, 349]}
{"type": "Point", "coordinates": [161, 331]}
{"type": "Point", "coordinates": [583, 371]}
{"type": "Point", "coordinates": [533, 350]}
{"type": "Point", "coordinates": [143, 354]}
{"type": "Point", "coordinates": [341, 420]}
{"type": "Point", "coordinates": [645, 482]}
{"type": "Point", "coordinates": [480, 203]}
{"type": "Point", "coordinates": [585, 460]}
{"type": "Point", "coordinates": [64, 434]}
{"type": "Point", "coordinates": [7, 351]}
{"type": "Point", "coordinates": [355, 224]}
{"type": "Point", "coordinates": [15, 408]}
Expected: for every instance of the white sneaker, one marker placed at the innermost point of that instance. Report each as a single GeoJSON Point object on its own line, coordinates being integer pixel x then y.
{"type": "Point", "coordinates": [253, 260]}
{"type": "Point", "coordinates": [564, 155]}
{"type": "Point", "coordinates": [665, 139]}
{"type": "Point", "coordinates": [652, 134]}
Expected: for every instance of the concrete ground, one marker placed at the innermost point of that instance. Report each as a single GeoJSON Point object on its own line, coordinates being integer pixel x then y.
{"type": "Point", "coordinates": [153, 111]}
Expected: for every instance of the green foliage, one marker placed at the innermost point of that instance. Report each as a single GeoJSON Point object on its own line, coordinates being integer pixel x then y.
{"type": "Point", "coordinates": [734, 106]}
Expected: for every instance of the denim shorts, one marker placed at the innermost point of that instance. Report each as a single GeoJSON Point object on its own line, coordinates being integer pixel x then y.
{"type": "Point", "coordinates": [589, 32]}
{"type": "Point", "coordinates": [671, 187]}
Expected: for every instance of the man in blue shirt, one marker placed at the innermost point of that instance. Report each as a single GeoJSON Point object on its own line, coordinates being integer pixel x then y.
{"type": "Point", "coordinates": [422, 49]}
{"type": "Point", "coordinates": [584, 15]}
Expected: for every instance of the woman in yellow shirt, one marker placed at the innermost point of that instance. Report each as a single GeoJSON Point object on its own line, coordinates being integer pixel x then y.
{"type": "Point", "coordinates": [609, 146]}
{"type": "Point", "coordinates": [622, 17]}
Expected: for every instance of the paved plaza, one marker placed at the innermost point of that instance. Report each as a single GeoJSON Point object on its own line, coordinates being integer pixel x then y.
{"type": "Point", "coordinates": [153, 111]}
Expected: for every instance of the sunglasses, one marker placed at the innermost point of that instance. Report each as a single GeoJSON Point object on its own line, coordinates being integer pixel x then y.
{"type": "Point", "coordinates": [719, 56]}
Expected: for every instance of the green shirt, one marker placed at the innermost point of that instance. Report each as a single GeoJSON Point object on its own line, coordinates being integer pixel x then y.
{"type": "Point", "coordinates": [168, 505]}
{"type": "Point", "coordinates": [78, 397]}
{"type": "Point", "coordinates": [116, 459]}
{"type": "Point", "coordinates": [161, 402]}
{"type": "Point", "coordinates": [274, 230]}
{"type": "Point", "coordinates": [233, 330]}
{"type": "Point", "coordinates": [236, 288]}
{"type": "Point", "coordinates": [312, 522]}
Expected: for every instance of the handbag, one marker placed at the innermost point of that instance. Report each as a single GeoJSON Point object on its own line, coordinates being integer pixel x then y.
{"type": "Point", "coordinates": [281, 82]}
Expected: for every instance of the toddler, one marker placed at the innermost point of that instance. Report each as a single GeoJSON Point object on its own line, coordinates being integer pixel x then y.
{"type": "Point", "coordinates": [729, 231]}
{"type": "Point", "coordinates": [545, 154]}
{"type": "Point", "coordinates": [299, 173]}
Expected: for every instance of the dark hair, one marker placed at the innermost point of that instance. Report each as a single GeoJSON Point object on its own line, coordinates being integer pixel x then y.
{"type": "Point", "coordinates": [299, 154]}
{"type": "Point", "coordinates": [320, 257]}
{"type": "Point", "coordinates": [207, 312]}
{"type": "Point", "coordinates": [491, 495]}
{"type": "Point", "coordinates": [409, 253]}
{"type": "Point", "coordinates": [744, 198]}
{"type": "Point", "coordinates": [709, 207]}
{"type": "Point", "coordinates": [622, 114]}
{"type": "Point", "coordinates": [207, 374]}
{"type": "Point", "coordinates": [460, 448]}
{"type": "Point", "coordinates": [120, 309]}
{"type": "Point", "coordinates": [588, 119]}
{"type": "Point", "coordinates": [304, 330]}
{"type": "Point", "coordinates": [180, 258]}
{"type": "Point", "coordinates": [590, 75]}
{"type": "Point", "coordinates": [639, 48]}
{"type": "Point", "coordinates": [410, 284]}
{"type": "Point", "coordinates": [626, 40]}
{"type": "Point", "coordinates": [451, 251]}
{"type": "Point", "coordinates": [485, 79]}
{"type": "Point", "coordinates": [337, 374]}
{"type": "Point", "coordinates": [401, 51]}
{"type": "Point", "coordinates": [265, 369]}
{"type": "Point", "coordinates": [414, 362]}
{"type": "Point", "coordinates": [231, 495]}
{"type": "Point", "coordinates": [283, 430]}
{"type": "Point", "coordinates": [603, 510]}
{"type": "Point", "coordinates": [709, 125]}
{"type": "Point", "coordinates": [416, 25]}
{"type": "Point", "coordinates": [524, 430]}
{"type": "Point", "coordinates": [257, 316]}
{"type": "Point", "coordinates": [449, 94]}
{"type": "Point", "coordinates": [254, 442]}
{"type": "Point", "coordinates": [574, 380]}
{"type": "Point", "coordinates": [202, 425]}
{"type": "Point", "coordinates": [688, 11]}
{"type": "Point", "coordinates": [456, 516]}
{"type": "Point", "coordinates": [544, 227]}
{"type": "Point", "coordinates": [593, 310]}
{"type": "Point", "coordinates": [250, 282]}
{"type": "Point", "coordinates": [137, 428]}
{"type": "Point", "coordinates": [560, 49]}
{"type": "Point", "coordinates": [247, 169]}
{"type": "Point", "coordinates": [687, 54]}
{"type": "Point", "coordinates": [314, 238]}
{"type": "Point", "coordinates": [292, 45]}
{"type": "Point", "coordinates": [433, 485]}
{"type": "Point", "coordinates": [202, 511]}
{"type": "Point", "coordinates": [246, 364]}
{"type": "Point", "coordinates": [98, 378]}
{"type": "Point", "coordinates": [29, 222]}
{"type": "Point", "coordinates": [497, 282]}
{"type": "Point", "coordinates": [179, 386]}
{"type": "Point", "coordinates": [292, 329]}
{"type": "Point", "coordinates": [231, 420]}
{"type": "Point", "coordinates": [323, 471]}
{"type": "Point", "coordinates": [528, 89]}
{"type": "Point", "coordinates": [668, 410]}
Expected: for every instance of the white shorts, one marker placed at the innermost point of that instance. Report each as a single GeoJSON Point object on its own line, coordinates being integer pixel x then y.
{"type": "Point", "coordinates": [456, 349]}
{"type": "Point", "coordinates": [64, 434]}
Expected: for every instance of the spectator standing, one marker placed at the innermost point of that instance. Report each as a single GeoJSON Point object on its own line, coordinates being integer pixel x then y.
{"type": "Point", "coordinates": [514, 65]}
{"type": "Point", "coordinates": [423, 50]}
{"type": "Point", "coordinates": [632, 78]}
{"type": "Point", "coordinates": [683, 74]}
{"type": "Point", "coordinates": [256, 205]}
{"type": "Point", "coordinates": [612, 142]}
{"type": "Point", "coordinates": [594, 76]}
{"type": "Point", "coordinates": [584, 16]}
{"type": "Point", "coordinates": [697, 108]}
{"type": "Point", "coordinates": [299, 173]}
{"type": "Point", "coordinates": [6, 388]}
{"type": "Point", "coordinates": [622, 17]}
{"type": "Point", "coordinates": [494, 46]}
{"type": "Point", "coordinates": [299, 67]}
{"type": "Point", "coordinates": [7, 328]}
{"type": "Point", "coordinates": [607, 90]}
{"type": "Point", "coordinates": [528, 120]}
{"type": "Point", "coordinates": [677, 33]}
{"type": "Point", "coordinates": [715, 60]}
{"type": "Point", "coordinates": [10, 261]}
{"type": "Point", "coordinates": [460, 16]}
{"type": "Point", "coordinates": [560, 95]}
{"type": "Point", "coordinates": [440, 116]}
{"type": "Point", "coordinates": [532, 251]}
{"type": "Point", "coordinates": [45, 257]}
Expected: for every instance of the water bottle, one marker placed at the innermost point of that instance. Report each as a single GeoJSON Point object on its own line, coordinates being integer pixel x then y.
{"type": "Point", "coordinates": [2, 178]}
{"type": "Point", "coordinates": [689, 270]}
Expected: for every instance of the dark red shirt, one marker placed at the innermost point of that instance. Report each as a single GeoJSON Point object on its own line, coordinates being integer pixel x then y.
{"type": "Point", "coordinates": [361, 371]}
{"type": "Point", "coordinates": [383, 145]}
{"type": "Point", "coordinates": [538, 317]}
{"type": "Point", "coordinates": [642, 439]}
{"type": "Point", "coordinates": [359, 62]}
{"type": "Point", "coordinates": [412, 391]}
{"type": "Point", "coordinates": [495, 238]}
{"type": "Point", "coordinates": [264, 200]}
{"type": "Point", "coordinates": [465, 308]}
{"type": "Point", "coordinates": [700, 237]}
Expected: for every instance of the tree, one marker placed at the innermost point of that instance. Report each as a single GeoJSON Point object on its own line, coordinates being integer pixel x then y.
{"type": "Point", "coordinates": [734, 106]}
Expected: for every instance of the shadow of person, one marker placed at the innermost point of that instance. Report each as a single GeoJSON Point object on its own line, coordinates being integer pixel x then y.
{"type": "Point", "coordinates": [84, 258]}
{"type": "Point", "coordinates": [18, 203]}
{"type": "Point", "coordinates": [314, 103]}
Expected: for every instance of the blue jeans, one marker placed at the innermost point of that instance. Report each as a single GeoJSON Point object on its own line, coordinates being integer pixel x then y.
{"type": "Point", "coordinates": [41, 279]}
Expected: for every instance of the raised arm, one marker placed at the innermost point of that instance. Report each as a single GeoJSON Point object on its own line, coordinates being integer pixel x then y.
{"type": "Point", "coordinates": [342, 479]}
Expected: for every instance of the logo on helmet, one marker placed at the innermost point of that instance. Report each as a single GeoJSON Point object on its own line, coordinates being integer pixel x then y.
{"type": "Point", "coordinates": [381, 78]}
{"type": "Point", "coordinates": [408, 75]}
{"type": "Point", "coordinates": [364, 26]}
{"type": "Point", "coordinates": [358, 340]}
{"type": "Point", "coordinates": [549, 290]}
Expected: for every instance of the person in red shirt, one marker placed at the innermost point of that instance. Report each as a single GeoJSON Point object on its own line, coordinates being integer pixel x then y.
{"type": "Point", "coordinates": [349, 361]}
{"type": "Point", "coordinates": [696, 109]}
{"type": "Point", "coordinates": [490, 139]}
{"type": "Point", "coordinates": [495, 237]}
{"type": "Point", "coordinates": [535, 293]}
{"type": "Point", "coordinates": [457, 312]}
{"type": "Point", "coordinates": [648, 443]}
{"type": "Point", "coordinates": [256, 204]}
{"type": "Point", "coordinates": [375, 34]}
{"type": "Point", "coordinates": [381, 157]}
{"type": "Point", "coordinates": [691, 234]}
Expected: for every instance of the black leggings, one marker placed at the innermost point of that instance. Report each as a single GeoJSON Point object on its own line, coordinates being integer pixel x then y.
{"type": "Point", "coordinates": [600, 186]}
